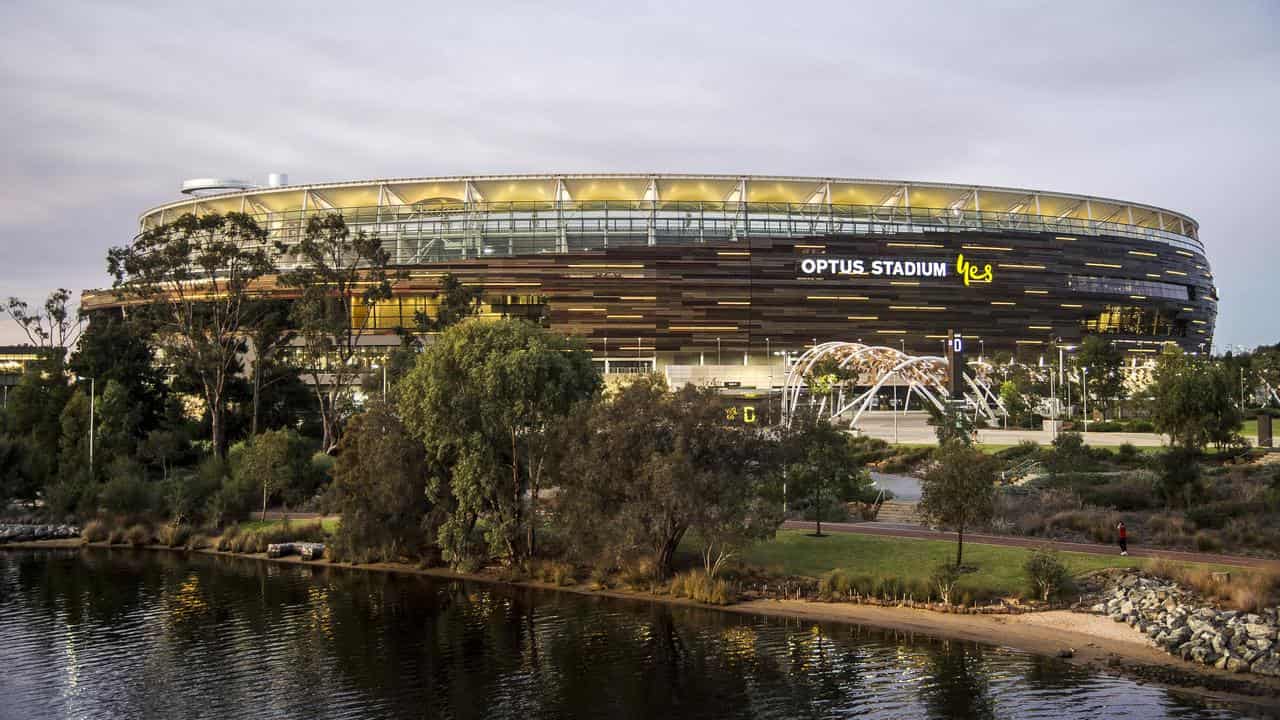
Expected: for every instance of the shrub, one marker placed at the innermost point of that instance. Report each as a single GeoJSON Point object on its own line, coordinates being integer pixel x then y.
{"type": "Point", "coordinates": [700, 587]}
{"type": "Point", "coordinates": [95, 531]}
{"type": "Point", "coordinates": [173, 535]}
{"type": "Point", "coordinates": [1106, 426]}
{"type": "Point", "coordinates": [944, 580]}
{"type": "Point", "coordinates": [226, 541]}
{"type": "Point", "coordinates": [556, 572]}
{"type": "Point", "coordinates": [1134, 492]}
{"type": "Point", "coordinates": [1046, 573]}
{"type": "Point", "coordinates": [1208, 541]}
{"type": "Point", "coordinates": [198, 541]}
{"type": "Point", "coordinates": [1179, 481]}
{"type": "Point", "coordinates": [1127, 453]}
{"type": "Point", "coordinates": [1142, 426]}
{"type": "Point", "coordinates": [116, 536]}
{"type": "Point", "coordinates": [137, 535]}
{"type": "Point", "coordinates": [127, 494]}
{"type": "Point", "coordinates": [1069, 453]}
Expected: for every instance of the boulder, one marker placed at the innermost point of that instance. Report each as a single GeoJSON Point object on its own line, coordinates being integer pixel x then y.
{"type": "Point", "coordinates": [1267, 665]}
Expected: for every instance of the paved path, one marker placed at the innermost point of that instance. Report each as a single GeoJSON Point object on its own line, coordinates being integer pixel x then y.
{"type": "Point", "coordinates": [913, 429]}
{"type": "Point", "coordinates": [913, 531]}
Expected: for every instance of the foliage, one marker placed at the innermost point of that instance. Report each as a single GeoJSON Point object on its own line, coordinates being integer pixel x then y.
{"type": "Point", "coordinates": [120, 423]}
{"type": "Point", "coordinates": [341, 277]}
{"type": "Point", "coordinates": [952, 424]}
{"type": "Point", "coordinates": [959, 490]}
{"type": "Point", "coordinates": [192, 278]}
{"type": "Point", "coordinates": [824, 466]}
{"type": "Point", "coordinates": [279, 463]}
{"type": "Point", "coordinates": [138, 535]}
{"type": "Point", "coordinates": [1193, 401]}
{"type": "Point", "coordinates": [703, 587]}
{"type": "Point", "coordinates": [17, 479]}
{"type": "Point", "coordinates": [94, 531]}
{"type": "Point", "coordinates": [164, 447]}
{"type": "Point", "coordinates": [1016, 403]}
{"type": "Point", "coordinates": [457, 303]}
{"type": "Point", "coordinates": [1069, 454]}
{"type": "Point", "coordinates": [1179, 483]}
{"type": "Point", "coordinates": [52, 327]}
{"type": "Point", "coordinates": [113, 349]}
{"type": "Point", "coordinates": [127, 492]}
{"type": "Point", "coordinates": [944, 579]}
{"type": "Point", "coordinates": [271, 333]}
{"type": "Point", "coordinates": [640, 470]}
{"type": "Point", "coordinates": [186, 496]}
{"type": "Point", "coordinates": [1046, 573]}
{"type": "Point", "coordinates": [380, 488]}
{"type": "Point", "coordinates": [482, 399]}
{"type": "Point", "coordinates": [1105, 363]}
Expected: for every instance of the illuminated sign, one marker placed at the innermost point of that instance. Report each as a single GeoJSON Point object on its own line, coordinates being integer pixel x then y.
{"type": "Point", "coordinates": [970, 272]}
{"type": "Point", "coordinates": [889, 267]}
{"type": "Point", "coordinates": [747, 413]}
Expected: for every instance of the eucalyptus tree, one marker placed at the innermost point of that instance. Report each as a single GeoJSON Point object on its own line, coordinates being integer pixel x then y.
{"type": "Point", "coordinates": [194, 278]}
{"type": "Point", "coordinates": [53, 327]}
{"type": "Point", "coordinates": [341, 277]}
{"type": "Point", "coordinates": [482, 399]}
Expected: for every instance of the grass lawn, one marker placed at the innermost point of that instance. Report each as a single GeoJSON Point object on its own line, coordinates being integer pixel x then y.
{"type": "Point", "coordinates": [1000, 571]}
{"type": "Point", "coordinates": [329, 524]}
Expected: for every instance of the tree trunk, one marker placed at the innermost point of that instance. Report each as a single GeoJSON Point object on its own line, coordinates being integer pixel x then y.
{"type": "Point", "coordinates": [217, 431]}
{"type": "Point", "coordinates": [959, 544]}
{"type": "Point", "coordinates": [257, 393]}
{"type": "Point", "coordinates": [264, 500]}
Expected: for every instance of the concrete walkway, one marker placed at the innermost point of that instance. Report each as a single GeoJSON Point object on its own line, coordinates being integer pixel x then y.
{"type": "Point", "coordinates": [908, 531]}
{"type": "Point", "coordinates": [913, 429]}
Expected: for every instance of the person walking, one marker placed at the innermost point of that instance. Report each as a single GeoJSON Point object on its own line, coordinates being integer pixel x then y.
{"type": "Point", "coordinates": [1124, 538]}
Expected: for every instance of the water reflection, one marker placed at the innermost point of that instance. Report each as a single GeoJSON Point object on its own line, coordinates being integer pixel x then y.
{"type": "Point", "coordinates": [123, 633]}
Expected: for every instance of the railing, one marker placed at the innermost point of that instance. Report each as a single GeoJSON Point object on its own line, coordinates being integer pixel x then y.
{"type": "Point", "coordinates": [425, 233]}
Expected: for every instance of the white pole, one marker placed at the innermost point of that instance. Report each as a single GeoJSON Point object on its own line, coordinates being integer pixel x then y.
{"type": "Point", "coordinates": [92, 412]}
{"type": "Point", "coordinates": [1084, 391]}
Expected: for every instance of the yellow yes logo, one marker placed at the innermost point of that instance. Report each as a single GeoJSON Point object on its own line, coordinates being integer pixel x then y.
{"type": "Point", "coordinates": [970, 272]}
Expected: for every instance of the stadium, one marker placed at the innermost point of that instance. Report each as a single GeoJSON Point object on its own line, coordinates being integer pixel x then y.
{"type": "Point", "coordinates": [731, 277]}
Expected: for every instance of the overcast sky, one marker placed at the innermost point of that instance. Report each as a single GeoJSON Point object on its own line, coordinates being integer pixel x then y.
{"type": "Point", "coordinates": [105, 108]}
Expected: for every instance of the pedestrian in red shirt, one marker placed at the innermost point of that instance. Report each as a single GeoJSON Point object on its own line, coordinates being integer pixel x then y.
{"type": "Point", "coordinates": [1124, 538]}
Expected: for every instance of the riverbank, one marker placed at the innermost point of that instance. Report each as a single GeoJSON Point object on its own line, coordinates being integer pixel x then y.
{"type": "Point", "coordinates": [1097, 643]}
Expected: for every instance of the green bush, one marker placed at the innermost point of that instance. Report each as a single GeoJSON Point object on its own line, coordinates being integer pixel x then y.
{"type": "Point", "coordinates": [127, 495]}
{"type": "Point", "coordinates": [1179, 483]}
{"type": "Point", "coordinates": [1106, 426]}
{"type": "Point", "coordinates": [226, 541]}
{"type": "Point", "coordinates": [1046, 573]}
{"type": "Point", "coordinates": [198, 541]}
{"type": "Point", "coordinates": [1131, 493]}
{"type": "Point", "coordinates": [1127, 453]}
{"type": "Point", "coordinates": [1142, 426]}
{"type": "Point", "coordinates": [1208, 541]}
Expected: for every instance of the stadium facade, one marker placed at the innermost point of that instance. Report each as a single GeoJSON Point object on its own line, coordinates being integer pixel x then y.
{"type": "Point", "coordinates": [723, 275]}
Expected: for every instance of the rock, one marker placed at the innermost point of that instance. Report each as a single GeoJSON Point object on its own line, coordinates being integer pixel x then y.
{"type": "Point", "coordinates": [1259, 630]}
{"type": "Point", "coordinates": [1203, 655]}
{"type": "Point", "coordinates": [1269, 665]}
{"type": "Point", "coordinates": [1066, 652]}
{"type": "Point", "coordinates": [1100, 609]}
{"type": "Point", "coordinates": [1236, 665]}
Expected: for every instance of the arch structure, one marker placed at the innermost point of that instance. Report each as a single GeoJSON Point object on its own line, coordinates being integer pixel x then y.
{"type": "Point", "coordinates": [872, 367]}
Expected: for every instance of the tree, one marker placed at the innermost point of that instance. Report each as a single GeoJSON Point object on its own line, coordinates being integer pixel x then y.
{"type": "Point", "coordinates": [1015, 403]}
{"type": "Point", "coordinates": [342, 277]}
{"type": "Point", "coordinates": [270, 334]}
{"type": "Point", "coordinates": [636, 472]}
{"type": "Point", "coordinates": [54, 327]}
{"type": "Point", "coordinates": [958, 491]}
{"type": "Point", "coordinates": [380, 487]}
{"type": "Point", "coordinates": [113, 348]}
{"type": "Point", "coordinates": [1192, 401]}
{"type": "Point", "coordinates": [1104, 363]}
{"type": "Point", "coordinates": [823, 465]}
{"type": "Point", "coordinates": [275, 460]}
{"type": "Point", "coordinates": [163, 447]}
{"type": "Point", "coordinates": [482, 398]}
{"type": "Point", "coordinates": [951, 424]}
{"type": "Point", "coordinates": [120, 423]}
{"type": "Point", "coordinates": [193, 278]}
{"type": "Point", "coordinates": [457, 303]}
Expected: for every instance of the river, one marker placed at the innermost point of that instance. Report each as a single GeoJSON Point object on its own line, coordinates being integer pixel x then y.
{"type": "Point", "coordinates": [118, 633]}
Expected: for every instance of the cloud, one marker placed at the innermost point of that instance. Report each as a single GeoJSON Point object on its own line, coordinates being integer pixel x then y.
{"type": "Point", "coordinates": [106, 108]}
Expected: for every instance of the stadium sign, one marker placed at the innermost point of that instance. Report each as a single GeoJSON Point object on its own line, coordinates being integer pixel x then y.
{"type": "Point", "coordinates": [892, 267]}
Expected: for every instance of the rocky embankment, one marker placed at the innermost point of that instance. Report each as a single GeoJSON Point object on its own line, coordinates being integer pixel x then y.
{"type": "Point", "coordinates": [28, 533]}
{"type": "Point", "coordinates": [1191, 628]}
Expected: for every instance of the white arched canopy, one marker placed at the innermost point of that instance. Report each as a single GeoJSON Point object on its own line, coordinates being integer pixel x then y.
{"type": "Point", "coordinates": [871, 367]}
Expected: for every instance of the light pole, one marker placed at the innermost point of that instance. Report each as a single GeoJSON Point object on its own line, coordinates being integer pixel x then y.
{"type": "Point", "coordinates": [1084, 392]}
{"type": "Point", "coordinates": [717, 351]}
{"type": "Point", "coordinates": [92, 397]}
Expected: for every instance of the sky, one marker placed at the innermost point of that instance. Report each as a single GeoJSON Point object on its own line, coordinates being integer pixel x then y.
{"type": "Point", "coordinates": [106, 107]}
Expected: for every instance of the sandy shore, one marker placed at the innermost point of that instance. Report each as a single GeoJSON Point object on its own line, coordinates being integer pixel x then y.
{"type": "Point", "coordinates": [1091, 640]}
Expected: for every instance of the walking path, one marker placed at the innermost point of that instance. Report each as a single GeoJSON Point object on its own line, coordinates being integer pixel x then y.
{"type": "Point", "coordinates": [912, 428]}
{"type": "Point", "coordinates": [911, 531]}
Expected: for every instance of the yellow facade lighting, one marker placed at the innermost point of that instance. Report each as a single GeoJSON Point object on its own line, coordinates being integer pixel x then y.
{"type": "Point", "coordinates": [836, 297]}
{"type": "Point", "coordinates": [1036, 292]}
{"type": "Point", "coordinates": [892, 332]}
{"type": "Point", "coordinates": [608, 266]}
{"type": "Point", "coordinates": [1039, 327]}
{"type": "Point", "coordinates": [1184, 252]}
{"type": "Point", "coordinates": [909, 283]}
{"type": "Point", "coordinates": [925, 308]}
{"type": "Point", "coordinates": [1003, 302]}
{"type": "Point", "coordinates": [1064, 238]}
{"type": "Point", "coordinates": [638, 298]}
{"type": "Point", "coordinates": [704, 328]}
{"type": "Point", "coordinates": [1029, 342]}
{"type": "Point", "coordinates": [733, 302]}
{"type": "Point", "coordinates": [1112, 266]}
{"type": "Point", "coordinates": [799, 246]}
{"type": "Point", "coordinates": [1179, 273]}
{"type": "Point", "coordinates": [863, 317]}
{"type": "Point", "coordinates": [1019, 266]}
{"type": "Point", "coordinates": [1071, 305]}
{"type": "Point", "coordinates": [1143, 253]}
{"type": "Point", "coordinates": [1154, 275]}
{"type": "Point", "coordinates": [624, 317]}
{"type": "Point", "coordinates": [1137, 297]}
{"type": "Point", "coordinates": [732, 252]}
{"type": "Point", "coordinates": [997, 248]}
{"type": "Point", "coordinates": [586, 309]}
{"type": "Point", "coordinates": [915, 245]}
